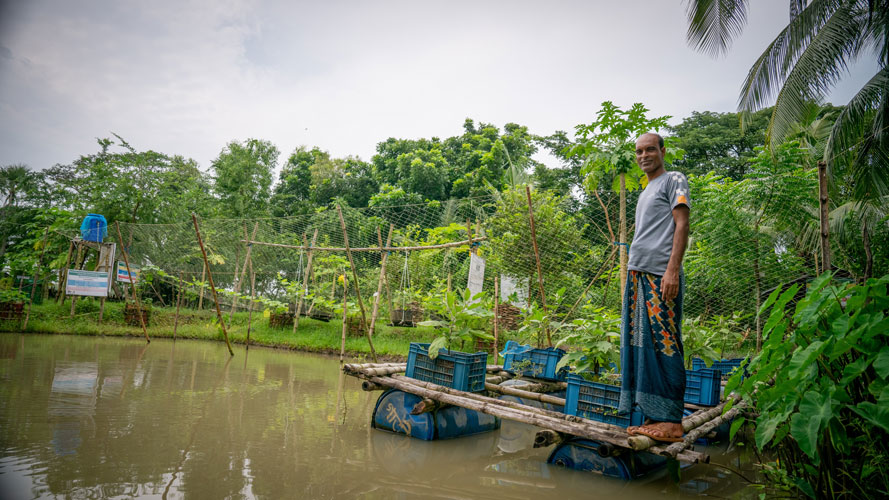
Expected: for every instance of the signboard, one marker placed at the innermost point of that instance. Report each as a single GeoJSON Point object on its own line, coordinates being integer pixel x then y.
{"type": "Point", "coordinates": [509, 286]}
{"type": "Point", "coordinates": [476, 274]}
{"type": "Point", "coordinates": [122, 275]}
{"type": "Point", "coordinates": [89, 283]}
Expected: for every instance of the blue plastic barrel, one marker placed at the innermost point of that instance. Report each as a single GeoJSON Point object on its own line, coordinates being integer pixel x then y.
{"type": "Point", "coordinates": [94, 228]}
{"type": "Point", "coordinates": [584, 455]}
{"type": "Point", "coordinates": [393, 413]}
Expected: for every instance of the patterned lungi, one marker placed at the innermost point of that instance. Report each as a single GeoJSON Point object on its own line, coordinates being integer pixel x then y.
{"type": "Point", "coordinates": [651, 355]}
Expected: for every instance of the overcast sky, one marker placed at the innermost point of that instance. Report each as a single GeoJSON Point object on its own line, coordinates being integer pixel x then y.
{"type": "Point", "coordinates": [185, 77]}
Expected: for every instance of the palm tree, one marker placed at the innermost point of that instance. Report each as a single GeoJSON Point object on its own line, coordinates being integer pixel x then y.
{"type": "Point", "coordinates": [803, 63]}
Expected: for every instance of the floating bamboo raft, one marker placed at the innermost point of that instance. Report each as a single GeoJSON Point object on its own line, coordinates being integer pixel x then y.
{"type": "Point", "coordinates": [556, 426]}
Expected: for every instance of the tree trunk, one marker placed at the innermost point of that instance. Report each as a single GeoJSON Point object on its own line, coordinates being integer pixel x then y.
{"type": "Point", "coordinates": [865, 241]}
{"type": "Point", "coordinates": [623, 233]}
{"type": "Point", "coordinates": [824, 206]}
{"type": "Point", "coordinates": [757, 289]}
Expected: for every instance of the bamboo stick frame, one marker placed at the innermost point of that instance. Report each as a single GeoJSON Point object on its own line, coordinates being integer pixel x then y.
{"type": "Point", "coordinates": [373, 249]}
{"type": "Point", "coordinates": [240, 278]}
{"type": "Point", "coordinates": [384, 257]}
{"type": "Point", "coordinates": [126, 261]}
{"type": "Point", "coordinates": [299, 302]}
{"type": "Point", "coordinates": [537, 260]}
{"type": "Point", "coordinates": [197, 232]}
{"type": "Point", "coordinates": [373, 352]}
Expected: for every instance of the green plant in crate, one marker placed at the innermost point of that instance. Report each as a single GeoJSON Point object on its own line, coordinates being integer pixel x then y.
{"type": "Point", "coordinates": [699, 340]}
{"type": "Point", "coordinates": [462, 315]}
{"type": "Point", "coordinates": [597, 335]}
{"type": "Point", "coordinates": [536, 322]}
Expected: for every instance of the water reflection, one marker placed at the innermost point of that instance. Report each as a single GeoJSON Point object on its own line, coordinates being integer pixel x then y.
{"type": "Point", "coordinates": [104, 417]}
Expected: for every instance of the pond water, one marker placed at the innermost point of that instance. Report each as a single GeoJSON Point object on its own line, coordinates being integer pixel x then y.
{"type": "Point", "coordinates": [87, 417]}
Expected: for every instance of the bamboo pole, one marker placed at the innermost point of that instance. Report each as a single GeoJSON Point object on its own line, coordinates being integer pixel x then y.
{"type": "Point", "coordinates": [496, 318]}
{"type": "Point", "coordinates": [373, 353]}
{"type": "Point", "coordinates": [345, 321]}
{"type": "Point", "coordinates": [689, 423]}
{"type": "Point", "coordinates": [36, 277]}
{"type": "Point", "coordinates": [674, 449]}
{"type": "Point", "coordinates": [178, 305]}
{"type": "Point", "coordinates": [299, 303]}
{"type": "Point", "coordinates": [252, 301]}
{"type": "Point", "coordinates": [201, 295]}
{"type": "Point", "coordinates": [608, 261]}
{"type": "Point", "coordinates": [78, 262]}
{"type": "Point", "coordinates": [126, 261]}
{"type": "Point", "coordinates": [243, 271]}
{"type": "Point", "coordinates": [537, 259]}
{"type": "Point", "coordinates": [197, 232]}
{"type": "Point", "coordinates": [374, 249]}
{"type": "Point", "coordinates": [536, 396]}
{"type": "Point", "coordinates": [567, 424]}
{"type": "Point", "coordinates": [64, 286]}
{"type": "Point", "coordinates": [383, 259]}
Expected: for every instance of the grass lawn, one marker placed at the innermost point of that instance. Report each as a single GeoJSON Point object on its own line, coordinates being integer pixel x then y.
{"type": "Point", "coordinates": [390, 343]}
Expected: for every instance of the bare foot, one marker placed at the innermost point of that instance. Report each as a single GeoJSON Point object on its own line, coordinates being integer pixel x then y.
{"type": "Point", "coordinates": [670, 432]}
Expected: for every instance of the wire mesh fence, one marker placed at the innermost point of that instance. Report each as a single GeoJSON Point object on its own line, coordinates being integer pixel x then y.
{"type": "Point", "coordinates": [428, 247]}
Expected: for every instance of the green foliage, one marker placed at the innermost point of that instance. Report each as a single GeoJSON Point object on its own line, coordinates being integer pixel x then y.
{"type": "Point", "coordinates": [822, 387]}
{"type": "Point", "coordinates": [463, 318]}
{"type": "Point", "coordinates": [243, 177]}
{"type": "Point", "coordinates": [597, 334]}
{"type": "Point", "coordinates": [558, 234]}
{"type": "Point", "coordinates": [709, 338]}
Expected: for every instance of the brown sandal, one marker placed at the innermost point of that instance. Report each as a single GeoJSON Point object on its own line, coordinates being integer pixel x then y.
{"type": "Point", "coordinates": [648, 430]}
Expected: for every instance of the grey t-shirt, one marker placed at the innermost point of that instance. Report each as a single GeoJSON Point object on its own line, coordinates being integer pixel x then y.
{"type": "Point", "coordinates": [653, 242]}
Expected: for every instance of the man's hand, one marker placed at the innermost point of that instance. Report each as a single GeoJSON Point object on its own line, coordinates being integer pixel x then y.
{"type": "Point", "coordinates": [669, 286]}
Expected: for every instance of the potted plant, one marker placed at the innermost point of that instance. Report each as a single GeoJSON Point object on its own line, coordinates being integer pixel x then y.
{"type": "Point", "coordinates": [464, 317]}
{"type": "Point", "coordinates": [131, 313]}
{"type": "Point", "coordinates": [12, 304]}
{"type": "Point", "coordinates": [407, 309]}
{"type": "Point", "coordinates": [279, 314]}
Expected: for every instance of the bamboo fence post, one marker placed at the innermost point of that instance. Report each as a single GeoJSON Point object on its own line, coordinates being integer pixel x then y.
{"type": "Point", "coordinates": [64, 286]}
{"type": "Point", "coordinates": [197, 232]}
{"type": "Point", "coordinates": [178, 305]}
{"type": "Point", "coordinates": [240, 278]}
{"type": "Point", "coordinates": [36, 277]}
{"type": "Point", "coordinates": [77, 264]}
{"type": "Point", "coordinates": [596, 277]}
{"type": "Point", "coordinates": [345, 321]}
{"type": "Point", "coordinates": [383, 259]}
{"type": "Point", "coordinates": [299, 302]}
{"type": "Point", "coordinates": [252, 299]}
{"type": "Point", "coordinates": [201, 295]}
{"type": "Point", "coordinates": [106, 265]}
{"type": "Point", "coordinates": [373, 353]}
{"type": "Point", "coordinates": [537, 259]}
{"type": "Point", "coordinates": [126, 261]}
{"type": "Point", "coordinates": [496, 314]}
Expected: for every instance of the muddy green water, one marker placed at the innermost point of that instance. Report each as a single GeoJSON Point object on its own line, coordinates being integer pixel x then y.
{"type": "Point", "coordinates": [86, 417]}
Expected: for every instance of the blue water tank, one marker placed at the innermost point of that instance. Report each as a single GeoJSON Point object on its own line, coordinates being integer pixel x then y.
{"type": "Point", "coordinates": [94, 228]}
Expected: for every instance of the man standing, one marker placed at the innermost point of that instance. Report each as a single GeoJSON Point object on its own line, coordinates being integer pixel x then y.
{"type": "Point", "coordinates": [652, 365]}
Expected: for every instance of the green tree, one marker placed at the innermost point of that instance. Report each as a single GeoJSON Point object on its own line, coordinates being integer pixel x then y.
{"type": "Point", "coordinates": [242, 175]}
{"type": "Point", "coordinates": [715, 142]}
{"type": "Point", "coordinates": [608, 148]}
{"type": "Point", "coordinates": [803, 63]}
{"type": "Point", "coordinates": [292, 194]}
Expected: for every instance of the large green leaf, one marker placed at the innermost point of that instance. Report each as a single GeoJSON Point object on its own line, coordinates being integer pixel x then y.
{"type": "Point", "coordinates": [802, 359]}
{"type": "Point", "coordinates": [815, 411]}
{"type": "Point", "coordinates": [853, 370]}
{"type": "Point", "coordinates": [875, 414]}
{"type": "Point", "coordinates": [881, 364]}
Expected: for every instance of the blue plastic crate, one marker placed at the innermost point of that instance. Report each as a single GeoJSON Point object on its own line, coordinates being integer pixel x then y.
{"type": "Point", "coordinates": [542, 363]}
{"type": "Point", "coordinates": [702, 386]}
{"type": "Point", "coordinates": [596, 401]}
{"type": "Point", "coordinates": [454, 369]}
{"type": "Point", "coordinates": [726, 366]}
